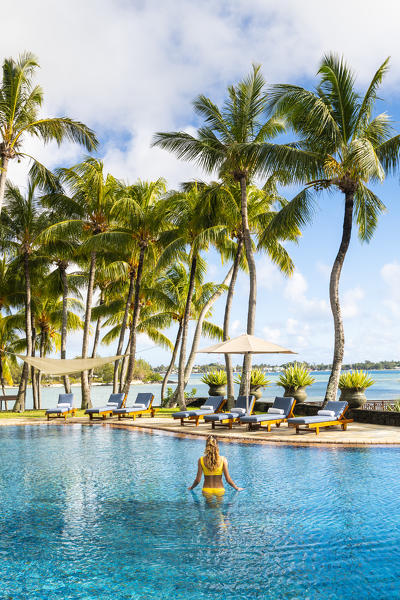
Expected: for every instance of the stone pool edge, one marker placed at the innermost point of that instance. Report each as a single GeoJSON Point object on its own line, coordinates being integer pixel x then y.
{"type": "Point", "coordinates": [308, 439]}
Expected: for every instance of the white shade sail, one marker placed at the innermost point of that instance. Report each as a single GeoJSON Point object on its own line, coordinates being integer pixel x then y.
{"type": "Point", "coordinates": [244, 344]}
{"type": "Point", "coordinates": [54, 366]}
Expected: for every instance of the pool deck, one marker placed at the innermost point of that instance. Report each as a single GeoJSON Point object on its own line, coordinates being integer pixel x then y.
{"type": "Point", "coordinates": [357, 434]}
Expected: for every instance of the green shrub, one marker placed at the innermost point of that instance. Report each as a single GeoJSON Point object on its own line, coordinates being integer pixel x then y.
{"type": "Point", "coordinates": [215, 378]}
{"type": "Point", "coordinates": [170, 393]}
{"type": "Point", "coordinates": [257, 378]}
{"type": "Point", "coordinates": [295, 376]}
{"type": "Point", "coordinates": [355, 380]}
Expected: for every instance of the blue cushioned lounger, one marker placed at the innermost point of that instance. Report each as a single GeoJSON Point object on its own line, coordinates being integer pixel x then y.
{"type": "Point", "coordinates": [234, 416]}
{"type": "Point", "coordinates": [141, 406]}
{"type": "Point", "coordinates": [279, 412]}
{"type": "Point", "coordinates": [212, 405]}
{"type": "Point", "coordinates": [65, 407]}
{"type": "Point", "coordinates": [332, 414]}
{"type": "Point", "coordinates": [115, 401]}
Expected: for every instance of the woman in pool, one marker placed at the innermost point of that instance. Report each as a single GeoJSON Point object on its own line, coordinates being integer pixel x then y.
{"type": "Point", "coordinates": [212, 465]}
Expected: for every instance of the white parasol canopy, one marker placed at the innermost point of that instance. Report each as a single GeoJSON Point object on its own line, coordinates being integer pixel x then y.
{"type": "Point", "coordinates": [246, 344]}
{"type": "Point", "coordinates": [63, 366]}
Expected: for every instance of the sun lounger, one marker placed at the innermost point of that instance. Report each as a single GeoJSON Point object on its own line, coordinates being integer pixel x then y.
{"type": "Point", "coordinates": [64, 408]}
{"type": "Point", "coordinates": [332, 414]}
{"type": "Point", "coordinates": [141, 406]}
{"type": "Point", "coordinates": [279, 412]}
{"type": "Point", "coordinates": [115, 401]}
{"type": "Point", "coordinates": [229, 418]}
{"type": "Point", "coordinates": [211, 406]}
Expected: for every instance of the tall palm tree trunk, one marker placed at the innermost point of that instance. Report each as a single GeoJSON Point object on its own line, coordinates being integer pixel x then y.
{"type": "Point", "coordinates": [20, 401]}
{"type": "Point", "coordinates": [123, 327]}
{"type": "Point", "coordinates": [199, 326]}
{"type": "Point", "coordinates": [86, 401]}
{"type": "Point", "coordinates": [251, 313]}
{"type": "Point", "coordinates": [135, 320]}
{"type": "Point", "coordinates": [96, 338]}
{"type": "Point", "coordinates": [2, 381]}
{"type": "Point", "coordinates": [172, 363]}
{"type": "Point", "coordinates": [124, 365]}
{"type": "Point", "coordinates": [64, 280]}
{"type": "Point", "coordinates": [333, 383]}
{"type": "Point", "coordinates": [185, 327]}
{"type": "Point", "coordinates": [39, 375]}
{"type": "Point", "coordinates": [227, 317]}
{"type": "Point", "coordinates": [3, 178]}
{"type": "Point", "coordinates": [33, 370]}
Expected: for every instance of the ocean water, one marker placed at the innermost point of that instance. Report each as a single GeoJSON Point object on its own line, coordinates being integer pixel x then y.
{"type": "Point", "coordinates": [95, 512]}
{"type": "Point", "coordinates": [386, 387]}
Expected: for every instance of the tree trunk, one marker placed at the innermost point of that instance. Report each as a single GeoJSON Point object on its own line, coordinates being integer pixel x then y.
{"type": "Point", "coordinates": [123, 327]}
{"type": "Point", "coordinates": [3, 179]}
{"type": "Point", "coordinates": [39, 375]}
{"type": "Point", "coordinates": [135, 319]}
{"type": "Point", "coordinates": [86, 401]}
{"type": "Point", "coordinates": [185, 327]}
{"type": "Point", "coordinates": [2, 378]}
{"type": "Point", "coordinates": [124, 365]}
{"type": "Point", "coordinates": [33, 370]}
{"type": "Point", "coordinates": [19, 405]}
{"type": "Point", "coordinates": [199, 326]}
{"type": "Point", "coordinates": [64, 280]}
{"type": "Point", "coordinates": [172, 363]}
{"type": "Point", "coordinates": [227, 316]}
{"type": "Point", "coordinates": [251, 314]}
{"type": "Point", "coordinates": [333, 383]}
{"type": "Point", "coordinates": [96, 338]}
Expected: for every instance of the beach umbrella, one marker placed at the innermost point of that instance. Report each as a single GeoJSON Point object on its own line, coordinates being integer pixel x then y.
{"type": "Point", "coordinates": [246, 344]}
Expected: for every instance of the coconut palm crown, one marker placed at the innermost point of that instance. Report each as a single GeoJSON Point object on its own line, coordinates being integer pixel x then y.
{"type": "Point", "coordinates": [20, 103]}
{"type": "Point", "coordinates": [343, 146]}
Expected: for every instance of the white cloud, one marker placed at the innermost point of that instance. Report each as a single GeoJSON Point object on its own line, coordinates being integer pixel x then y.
{"type": "Point", "coordinates": [295, 292]}
{"type": "Point", "coordinates": [351, 302]}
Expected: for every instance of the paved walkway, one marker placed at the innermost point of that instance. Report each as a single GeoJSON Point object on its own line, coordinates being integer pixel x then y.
{"type": "Point", "coordinates": [357, 434]}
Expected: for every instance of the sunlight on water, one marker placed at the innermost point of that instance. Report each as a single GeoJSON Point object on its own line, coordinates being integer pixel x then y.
{"type": "Point", "coordinates": [99, 513]}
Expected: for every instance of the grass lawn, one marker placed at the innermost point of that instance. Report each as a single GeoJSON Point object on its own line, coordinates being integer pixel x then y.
{"type": "Point", "coordinates": [35, 414]}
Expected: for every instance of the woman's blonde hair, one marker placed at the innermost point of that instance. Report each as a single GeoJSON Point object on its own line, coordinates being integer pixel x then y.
{"type": "Point", "coordinates": [211, 453]}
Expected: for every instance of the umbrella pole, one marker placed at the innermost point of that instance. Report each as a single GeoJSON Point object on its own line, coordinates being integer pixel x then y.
{"type": "Point", "coordinates": [248, 376]}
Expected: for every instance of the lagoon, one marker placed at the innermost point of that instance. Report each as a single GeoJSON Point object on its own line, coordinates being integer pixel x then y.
{"type": "Point", "coordinates": [386, 387]}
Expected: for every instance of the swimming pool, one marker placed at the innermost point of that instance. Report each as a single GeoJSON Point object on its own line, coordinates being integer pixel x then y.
{"type": "Point", "coordinates": [95, 512]}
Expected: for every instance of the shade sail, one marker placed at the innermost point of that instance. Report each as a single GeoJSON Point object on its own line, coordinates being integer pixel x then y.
{"type": "Point", "coordinates": [244, 344]}
{"type": "Point", "coordinates": [54, 366]}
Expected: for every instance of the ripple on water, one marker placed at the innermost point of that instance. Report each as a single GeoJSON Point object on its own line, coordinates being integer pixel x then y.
{"type": "Point", "coordinates": [92, 512]}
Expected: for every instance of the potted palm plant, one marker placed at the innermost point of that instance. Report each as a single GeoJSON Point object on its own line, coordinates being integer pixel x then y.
{"type": "Point", "coordinates": [258, 382]}
{"type": "Point", "coordinates": [353, 385]}
{"type": "Point", "coordinates": [216, 381]}
{"type": "Point", "coordinates": [294, 379]}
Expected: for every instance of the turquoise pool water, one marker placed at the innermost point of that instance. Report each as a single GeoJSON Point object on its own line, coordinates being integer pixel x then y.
{"type": "Point", "coordinates": [95, 512]}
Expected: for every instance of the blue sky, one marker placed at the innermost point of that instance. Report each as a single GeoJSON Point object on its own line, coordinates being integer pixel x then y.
{"type": "Point", "coordinates": [129, 68]}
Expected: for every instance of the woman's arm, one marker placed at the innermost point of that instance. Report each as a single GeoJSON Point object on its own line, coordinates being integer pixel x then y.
{"type": "Point", "coordinates": [198, 476]}
{"type": "Point", "coordinates": [228, 477]}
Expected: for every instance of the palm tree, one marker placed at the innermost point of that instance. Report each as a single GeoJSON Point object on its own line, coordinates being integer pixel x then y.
{"type": "Point", "coordinates": [8, 338]}
{"type": "Point", "coordinates": [193, 229]}
{"type": "Point", "coordinates": [20, 103]}
{"type": "Point", "coordinates": [139, 221]}
{"type": "Point", "coordinates": [48, 317]}
{"type": "Point", "coordinates": [171, 288]}
{"type": "Point", "coordinates": [342, 146]}
{"type": "Point", "coordinates": [222, 145]}
{"type": "Point", "coordinates": [93, 196]}
{"type": "Point", "coordinates": [23, 221]}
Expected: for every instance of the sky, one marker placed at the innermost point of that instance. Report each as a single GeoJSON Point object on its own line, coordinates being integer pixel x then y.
{"type": "Point", "coordinates": [130, 68]}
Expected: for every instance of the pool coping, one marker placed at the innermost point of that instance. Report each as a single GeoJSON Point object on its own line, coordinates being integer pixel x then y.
{"type": "Point", "coordinates": [227, 436]}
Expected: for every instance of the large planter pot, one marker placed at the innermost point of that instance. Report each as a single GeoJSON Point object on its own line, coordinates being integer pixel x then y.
{"type": "Point", "coordinates": [354, 398]}
{"type": "Point", "coordinates": [300, 395]}
{"type": "Point", "coordinates": [217, 390]}
{"type": "Point", "coordinates": [256, 391]}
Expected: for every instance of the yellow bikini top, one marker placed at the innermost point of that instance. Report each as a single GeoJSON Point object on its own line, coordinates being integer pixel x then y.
{"type": "Point", "coordinates": [217, 471]}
